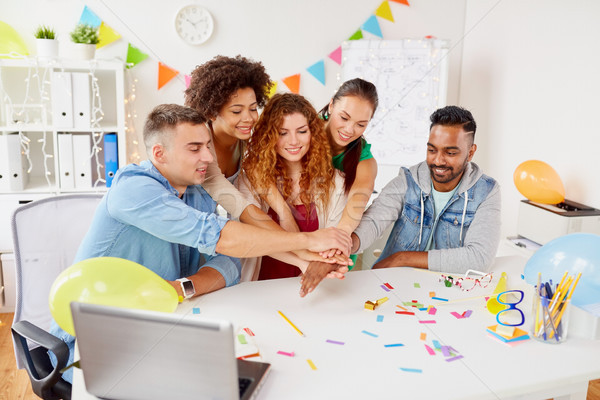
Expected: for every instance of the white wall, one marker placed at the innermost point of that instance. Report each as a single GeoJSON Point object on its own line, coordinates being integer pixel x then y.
{"type": "Point", "coordinates": [286, 35]}
{"type": "Point", "coordinates": [531, 76]}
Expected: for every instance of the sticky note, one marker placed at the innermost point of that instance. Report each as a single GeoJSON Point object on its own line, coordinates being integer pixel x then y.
{"type": "Point", "coordinates": [370, 334]}
{"type": "Point", "coordinates": [312, 365]}
{"type": "Point", "coordinates": [242, 339]}
{"type": "Point", "coordinates": [430, 321]}
{"type": "Point", "coordinates": [431, 294]}
{"type": "Point", "coordinates": [380, 318]}
{"type": "Point", "coordinates": [393, 345]}
{"type": "Point", "coordinates": [423, 336]}
{"type": "Point", "coordinates": [285, 353]}
{"type": "Point", "coordinates": [417, 285]}
{"type": "Point", "coordinates": [429, 350]}
{"type": "Point", "coordinates": [416, 370]}
{"type": "Point", "coordinates": [445, 351]}
{"type": "Point", "coordinates": [334, 342]}
{"type": "Point", "coordinates": [436, 344]}
{"type": "Point", "coordinates": [432, 311]}
{"type": "Point", "coordinates": [195, 310]}
{"type": "Point", "coordinates": [457, 315]}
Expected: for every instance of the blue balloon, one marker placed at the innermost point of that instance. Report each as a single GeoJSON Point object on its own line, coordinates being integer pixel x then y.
{"type": "Point", "coordinates": [577, 252]}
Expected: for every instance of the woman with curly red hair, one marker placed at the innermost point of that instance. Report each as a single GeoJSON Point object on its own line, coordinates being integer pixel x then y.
{"type": "Point", "coordinates": [289, 151]}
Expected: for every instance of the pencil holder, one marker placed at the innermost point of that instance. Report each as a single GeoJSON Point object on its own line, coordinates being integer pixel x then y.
{"type": "Point", "coordinates": [550, 319]}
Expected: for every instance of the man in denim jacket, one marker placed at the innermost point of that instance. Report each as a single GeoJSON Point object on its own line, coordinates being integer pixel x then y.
{"type": "Point", "coordinates": [446, 212]}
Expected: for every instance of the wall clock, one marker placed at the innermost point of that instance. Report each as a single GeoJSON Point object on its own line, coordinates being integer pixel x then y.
{"type": "Point", "coordinates": [194, 24]}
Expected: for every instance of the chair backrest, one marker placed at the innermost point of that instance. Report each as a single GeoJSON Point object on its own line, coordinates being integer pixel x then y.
{"type": "Point", "coordinates": [46, 236]}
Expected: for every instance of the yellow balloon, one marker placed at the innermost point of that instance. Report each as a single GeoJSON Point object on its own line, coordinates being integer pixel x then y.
{"type": "Point", "coordinates": [11, 42]}
{"type": "Point", "coordinates": [109, 281]}
{"type": "Point", "coordinates": [539, 182]}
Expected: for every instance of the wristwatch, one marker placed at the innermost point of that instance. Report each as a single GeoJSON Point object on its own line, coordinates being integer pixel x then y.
{"type": "Point", "coordinates": [187, 287]}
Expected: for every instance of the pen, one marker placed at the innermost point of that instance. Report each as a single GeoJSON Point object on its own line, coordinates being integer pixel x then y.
{"type": "Point", "coordinates": [290, 322]}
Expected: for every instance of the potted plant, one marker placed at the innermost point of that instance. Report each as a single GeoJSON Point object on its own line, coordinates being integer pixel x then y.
{"type": "Point", "coordinates": [46, 43]}
{"type": "Point", "coordinates": [85, 39]}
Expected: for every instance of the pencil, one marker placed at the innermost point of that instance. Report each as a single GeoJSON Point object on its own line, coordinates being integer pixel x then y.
{"type": "Point", "coordinates": [290, 322]}
{"type": "Point", "coordinates": [568, 298]}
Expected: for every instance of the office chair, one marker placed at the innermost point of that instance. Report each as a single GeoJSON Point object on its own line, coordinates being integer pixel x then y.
{"type": "Point", "coordinates": [46, 236]}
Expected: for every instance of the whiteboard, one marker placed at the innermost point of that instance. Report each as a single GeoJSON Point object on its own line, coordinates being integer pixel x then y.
{"type": "Point", "coordinates": [411, 76]}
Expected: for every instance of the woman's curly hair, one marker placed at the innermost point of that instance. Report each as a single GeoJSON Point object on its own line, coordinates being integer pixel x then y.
{"type": "Point", "coordinates": [264, 167]}
{"type": "Point", "coordinates": [214, 82]}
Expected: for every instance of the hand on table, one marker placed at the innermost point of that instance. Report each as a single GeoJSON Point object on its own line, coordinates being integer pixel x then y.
{"type": "Point", "coordinates": [316, 272]}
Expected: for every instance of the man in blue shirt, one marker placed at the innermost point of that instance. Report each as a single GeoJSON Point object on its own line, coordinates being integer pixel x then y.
{"type": "Point", "coordinates": [158, 215]}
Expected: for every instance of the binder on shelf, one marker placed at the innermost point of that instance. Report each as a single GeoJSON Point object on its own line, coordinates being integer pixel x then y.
{"type": "Point", "coordinates": [65, 161]}
{"type": "Point", "coordinates": [82, 161]}
{"type": "Point", "coordinates": [81, 100]}
{"type": "Point", "coordinates": [111, 157]}
{"type": "Point", "coordinates": [13, 172]}
{"type": "Point", "coordinates": [62, 100]}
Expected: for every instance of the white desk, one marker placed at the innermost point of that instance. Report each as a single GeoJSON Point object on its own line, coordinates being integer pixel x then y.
{"type": "Point", "coordinates": [363, 368]}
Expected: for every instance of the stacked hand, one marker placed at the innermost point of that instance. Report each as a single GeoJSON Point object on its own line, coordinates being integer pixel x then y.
{"type": "Point", "coordinates": [316, 272]}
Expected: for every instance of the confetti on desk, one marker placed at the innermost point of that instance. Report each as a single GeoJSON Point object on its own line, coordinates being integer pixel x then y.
{"type": "Point", "coordinates": [423, 336]}
{"type": "Point", "coordinates": [285, 353]}
{"type": "Point", "coordinates": [405, 312]}
{"type": "Point", "coordinates": [385, 288]}
{"type": "Point", "coordinates": [249, 356]}
{"type": "Point", "coordinates": [439, 298]}
{"type": "Point", "coordinates": [465, 314]}
{"type": "Point", "coordinates": [454, 358]}
{"type": "Point", "coordinates": [431, 294]}
{"type": "Point", "coordinates": [380, 318]}
{"type": "Point", "coordinates": [436, 344]}
{"type": "Point", "coordinates": [430, 350]}
{"type": "Point", "coordinates": [388, 286]}
{"type": "Point", "coordinates": [432, 310]}
{"type": "Point", "coordinates": [195, 310]}
{"type": "Point", "coordinates": [334, 342]}
{"type": "Point", "coordinates": [242, 339]}
{"type": "Point", "coordinates": [249, 332]}
{"type": "Point", "coordinates": [417, 285]}
{"type": "Point", "coordinates": [418, 371]}
{"type": "Point", "coordinates": [312, 365]}
{"type": "Point", "coordinates": [427, 321]}
{"type": "Point", "coordinates": [393, 345]}
{"type": "Point", "coordinates": [370, 334]}
{"type": "Point", "coordinates": [402, 308]}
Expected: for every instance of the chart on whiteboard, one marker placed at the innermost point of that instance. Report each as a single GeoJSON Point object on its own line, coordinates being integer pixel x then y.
{"type": "Point", "coordinates": [411, 79]}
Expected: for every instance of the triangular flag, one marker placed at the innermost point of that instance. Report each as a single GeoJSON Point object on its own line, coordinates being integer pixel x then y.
{"type": "Point", "coordinates": [405, 2]}
{"type": "Point", "coordinates": [165, 74]}
{"type": "Point", "coordinates": [372, 26]}
{"type": "Point", "coordinates": [384, 11]}
{"type": "Point", "coordinates": [336, 55]}
{"type": "Point", "coordinates": [293, 83]}
{"type": "Point", "coordinates": [356, 36]}
{"type": "Point", "coordinates": [272, 89]}
{"type": "Point", "coordinates": [188, 80]}
{"type": "Point", "coordinates": [106, 35]}
{"type": "Point", "coordinates": [318, 71]}
{"type": "Point", "coordinates": [89, 18]}
{"type": "Point", "coordinates": [134, 56]}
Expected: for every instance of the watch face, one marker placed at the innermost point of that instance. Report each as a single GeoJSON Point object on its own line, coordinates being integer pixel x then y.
{"type": "Point", "coordinates": [188, 288]}
{"type": "Point", "coordinates": [194, 24]}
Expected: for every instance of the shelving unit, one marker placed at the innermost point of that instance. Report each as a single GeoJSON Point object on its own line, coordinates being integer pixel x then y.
{"type": "Point", "coordinates": [27, 108]}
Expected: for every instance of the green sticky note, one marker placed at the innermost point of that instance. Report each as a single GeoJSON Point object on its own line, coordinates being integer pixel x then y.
{"type": "Point", "coordinates": [417, 285]}
{"type": "Point", "coordinates": [242, 339]}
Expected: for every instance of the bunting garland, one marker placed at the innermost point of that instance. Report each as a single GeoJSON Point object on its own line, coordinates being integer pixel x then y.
{"type": "Point", "coordinates": [107, 35]}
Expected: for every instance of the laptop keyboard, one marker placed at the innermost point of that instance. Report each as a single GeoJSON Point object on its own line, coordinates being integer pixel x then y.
{"type": "Point", "coordinates": [244, 383]}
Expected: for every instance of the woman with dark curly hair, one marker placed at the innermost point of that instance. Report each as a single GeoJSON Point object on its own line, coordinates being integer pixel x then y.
{"type": "Point", "coordinates": [228, 92]}
{"type": "Point", "coordinates": [289, 151]}
{"type": "Point", "coordinates": [347, 116]}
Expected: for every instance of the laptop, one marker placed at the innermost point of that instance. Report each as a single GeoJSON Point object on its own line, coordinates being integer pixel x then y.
{"type": "Point", "coordinates": [130, 354]}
